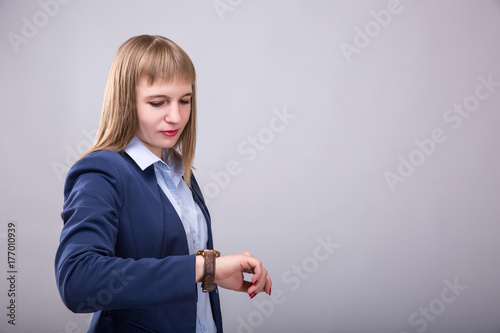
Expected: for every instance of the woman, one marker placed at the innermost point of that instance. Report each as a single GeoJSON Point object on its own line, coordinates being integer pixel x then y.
{"type": "Point", "coordinates": [134, 247]}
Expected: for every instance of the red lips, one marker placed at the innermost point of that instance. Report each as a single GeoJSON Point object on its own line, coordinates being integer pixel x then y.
{"type": "Point", "coordinates": [170, 133]}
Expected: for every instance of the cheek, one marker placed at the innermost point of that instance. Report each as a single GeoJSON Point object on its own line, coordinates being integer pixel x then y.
{"type": "Point", "coordinates": [145, 119]}
{"type": "Point", "coordinates": [140, 116]}
{"type": "Point", "coordinates": [187, 115]}
{"type": "Point", "coordinates": [145, 126]}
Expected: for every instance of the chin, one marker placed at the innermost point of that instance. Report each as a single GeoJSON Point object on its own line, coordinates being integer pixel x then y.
{"type": "Point", "coordinates": [168, 145]}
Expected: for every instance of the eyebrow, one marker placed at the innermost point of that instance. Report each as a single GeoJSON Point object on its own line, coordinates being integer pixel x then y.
{"type": "Point", "coordinates": [166, 96]}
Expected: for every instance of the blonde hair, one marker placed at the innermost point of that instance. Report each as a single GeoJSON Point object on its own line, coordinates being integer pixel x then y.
{"type": "Point", "coordinates": [154, 58]}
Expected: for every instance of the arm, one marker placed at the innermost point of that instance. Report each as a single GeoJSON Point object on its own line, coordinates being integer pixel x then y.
{"type": "Point", "coordinates": [89, 275]}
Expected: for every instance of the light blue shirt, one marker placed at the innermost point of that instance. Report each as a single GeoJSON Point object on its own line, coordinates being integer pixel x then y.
{"type": "Point", "coordinates": [178, 193]}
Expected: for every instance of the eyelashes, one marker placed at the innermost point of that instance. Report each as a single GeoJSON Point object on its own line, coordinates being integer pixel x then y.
{"type": "Point", "coordinates": [158, 104]}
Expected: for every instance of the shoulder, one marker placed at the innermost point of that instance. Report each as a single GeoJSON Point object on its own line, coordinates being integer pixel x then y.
{"type": "Point", "coordinates": [101, 159]}
{"type": "Point", "coordinates": [104, 154]}
{"type": "Point", "coordinates": [104, 164]}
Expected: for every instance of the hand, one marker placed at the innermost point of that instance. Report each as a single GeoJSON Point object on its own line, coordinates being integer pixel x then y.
{"type": "Point", "coordinates": [229, 274]}
{"type": "Point", "coordinates": [229, 271]}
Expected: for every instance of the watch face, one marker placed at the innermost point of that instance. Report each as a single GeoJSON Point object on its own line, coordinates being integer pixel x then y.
{"type": "Point", "coordinates": [202, 252]}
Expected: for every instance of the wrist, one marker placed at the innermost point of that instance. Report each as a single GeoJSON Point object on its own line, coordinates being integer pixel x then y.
{"type": "Point", "coordinates": [200, 268]}
{"type": "Point", "coordinates": [208, 279]}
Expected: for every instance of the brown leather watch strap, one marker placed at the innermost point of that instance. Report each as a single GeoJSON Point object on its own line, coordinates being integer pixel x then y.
{"type": "Point", "coordinates": [208, 282]}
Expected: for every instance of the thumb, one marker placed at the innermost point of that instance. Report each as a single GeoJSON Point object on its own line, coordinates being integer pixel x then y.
{"type": "Point", "coordinates": [246, 285]}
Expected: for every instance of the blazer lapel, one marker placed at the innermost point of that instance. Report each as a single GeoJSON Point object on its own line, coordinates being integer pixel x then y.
{"type": "Point", "coordinates": [198, 198]}
{"type": "Point", "coordinates": [174, 241]}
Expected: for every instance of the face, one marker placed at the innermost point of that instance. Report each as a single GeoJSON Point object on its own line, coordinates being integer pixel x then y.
{"type": "Point", "coordinates": [163, 110]}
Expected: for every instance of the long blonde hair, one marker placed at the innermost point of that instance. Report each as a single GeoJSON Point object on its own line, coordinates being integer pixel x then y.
{"type": "Point", "coordinates": [155, 58]}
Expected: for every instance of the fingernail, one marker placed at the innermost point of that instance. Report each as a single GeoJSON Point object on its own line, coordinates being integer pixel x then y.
{"type": "Point", "coordinates": [269, 291]}
{"type": "Point", "coordinates": [256, 282]}
{"type": "Point", "coordinates": [252, 295]}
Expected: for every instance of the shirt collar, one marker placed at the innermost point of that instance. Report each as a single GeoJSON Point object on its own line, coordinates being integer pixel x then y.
{"type": "Point", "coordinates": [141, 154]}
{"type": "Point", "coordinates": [144, 158]}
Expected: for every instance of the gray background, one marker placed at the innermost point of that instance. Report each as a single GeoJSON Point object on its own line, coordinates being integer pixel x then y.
{"type": "Point", "coordinates": [320, 175]}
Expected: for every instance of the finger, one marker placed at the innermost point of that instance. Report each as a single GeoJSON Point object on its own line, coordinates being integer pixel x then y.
{"type": "Point", "coordinates": [262, 284]}
{"type": "Point", "coordinates": [259, 282]}
{"type": "Point", "coordinates": [247, 254]}
{"type": "Point", "coordinates": [254, 288]}
{"type": "Point", "coordinates": [268, 285]}
{"type": "Point", "coordinates": [252, 266]}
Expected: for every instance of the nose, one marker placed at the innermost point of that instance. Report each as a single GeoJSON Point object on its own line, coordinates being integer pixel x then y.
{"type": "Point", "coordinates": [173, 115]}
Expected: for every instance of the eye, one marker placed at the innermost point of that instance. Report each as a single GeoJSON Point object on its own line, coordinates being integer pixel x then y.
{"type": "Point", "coordinates": [156, 104]}
{"type": "Point", "coordinates": [184, 101]}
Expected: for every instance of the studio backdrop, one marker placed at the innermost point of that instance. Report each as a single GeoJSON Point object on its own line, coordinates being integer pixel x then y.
{"type": "Point", "coordinates": [353, 146]}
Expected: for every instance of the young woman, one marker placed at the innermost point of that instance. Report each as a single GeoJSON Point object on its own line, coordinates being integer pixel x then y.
{"type": "Point", "coordinates": [135, 243]}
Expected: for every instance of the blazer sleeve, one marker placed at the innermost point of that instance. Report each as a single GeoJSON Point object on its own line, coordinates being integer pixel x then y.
{"type": "Point", "coordinates": [89, 276]}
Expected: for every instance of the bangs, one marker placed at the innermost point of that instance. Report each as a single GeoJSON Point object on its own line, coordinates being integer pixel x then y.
{"type": "Point", "coordinates": [164, 61]}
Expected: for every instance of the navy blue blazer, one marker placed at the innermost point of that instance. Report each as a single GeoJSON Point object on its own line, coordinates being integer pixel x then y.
{"type": "Point", "coordinates": [123, 251]}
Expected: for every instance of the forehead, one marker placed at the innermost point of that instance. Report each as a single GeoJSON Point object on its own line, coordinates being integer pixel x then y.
{"type": "Point", "coordinates": [164, 87]}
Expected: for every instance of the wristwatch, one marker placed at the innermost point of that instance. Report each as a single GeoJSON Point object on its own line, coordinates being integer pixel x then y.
{"type": "Point", "coordinates": [207, 283]}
